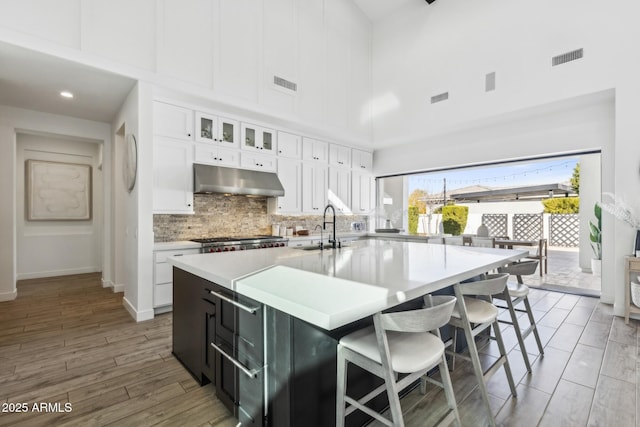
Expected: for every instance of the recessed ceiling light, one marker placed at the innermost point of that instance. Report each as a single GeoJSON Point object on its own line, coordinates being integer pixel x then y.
{"type": "Point", "coordinates": [66, 94]}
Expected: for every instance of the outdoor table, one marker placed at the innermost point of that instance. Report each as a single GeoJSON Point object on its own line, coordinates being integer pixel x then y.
{"type": "Point", "coordinates": [541, 253]}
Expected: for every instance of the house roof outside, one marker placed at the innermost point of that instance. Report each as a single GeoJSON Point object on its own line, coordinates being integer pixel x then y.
{"type": "Point", "coordinates": [480, 193]}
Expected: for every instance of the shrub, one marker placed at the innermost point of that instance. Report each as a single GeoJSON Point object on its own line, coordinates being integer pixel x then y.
{"type": "Point", "coordinates": [454, 219]}
{"type": "Point", "coordinates": [562, 205]}
{"type": "Point", "coordinates": [413, 219]}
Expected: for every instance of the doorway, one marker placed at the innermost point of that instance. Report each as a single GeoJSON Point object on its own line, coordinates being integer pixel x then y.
{"type": "Point", "coordinates": [59, 206]}
{"type": "Point", "coordinates": [550, 198]}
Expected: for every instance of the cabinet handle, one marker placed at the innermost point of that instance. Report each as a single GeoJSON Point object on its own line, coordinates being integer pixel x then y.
{"type": "Point", "coordinates": [251, 310]}
{"type": "Point", "coordinates": [251, 373]}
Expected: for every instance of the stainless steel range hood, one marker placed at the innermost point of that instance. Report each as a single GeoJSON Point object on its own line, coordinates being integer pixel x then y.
{"type": "Point", "coordinates": [216, 179]}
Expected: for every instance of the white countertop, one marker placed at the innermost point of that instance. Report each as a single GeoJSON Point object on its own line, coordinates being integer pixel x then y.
{"type": "Point", "coordinates": [334, 287]}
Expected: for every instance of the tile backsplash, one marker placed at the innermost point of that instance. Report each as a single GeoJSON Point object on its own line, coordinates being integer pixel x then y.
{"type": "Point", "coordinates": [220, 215]}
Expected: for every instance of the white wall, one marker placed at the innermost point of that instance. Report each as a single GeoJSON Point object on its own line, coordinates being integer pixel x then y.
{"type": "Point", "coordinates": [535, 109]}
{"type": "Point", "coordinates": [12, 122]}
{"type": "Point", "coordinates": [222, 50]}
{"type": "Point", "coordinates": [132, 233]}
{"type": "Point", "coordinates": [589, 195]}
{"type": "Point", "coordinates": [57, 248]}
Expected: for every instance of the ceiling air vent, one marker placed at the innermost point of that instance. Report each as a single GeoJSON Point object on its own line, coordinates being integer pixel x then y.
{"type": "Point", "coordinates": [439, 98]}
{"type": "Point", "coordinates": [279, 81]}
{"type": "Point", "coordinates": [567, 57]}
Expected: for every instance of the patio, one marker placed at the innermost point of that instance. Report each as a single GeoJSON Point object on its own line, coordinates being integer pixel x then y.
{"type": "Point", "coordinates": [564, 274]}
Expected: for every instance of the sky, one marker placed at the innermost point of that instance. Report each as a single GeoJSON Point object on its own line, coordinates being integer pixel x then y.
{"type": "Point", "coordinates": [549, 171]}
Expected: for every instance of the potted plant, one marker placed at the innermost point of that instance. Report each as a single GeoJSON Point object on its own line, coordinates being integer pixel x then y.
{"type": "Point", "coordinates": [595, 235]}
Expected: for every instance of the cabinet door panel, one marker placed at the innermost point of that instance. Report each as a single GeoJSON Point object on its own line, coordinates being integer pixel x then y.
{"type": "Point", "coordinates": [258, 162]}
{"type": "Point", "coordinates": [340, 189]}
{"type": "Point", "coordinates": [208, 352]}
{"type": "Point", "coordinates": [172, 121]}
{"type": "Point", "coordinates": [289, 145]}
{"type": "Point", "coordinates": [228, 132]}
{"type": "Point", "coordinates": [172, 176]}
{"type": "Point", "coordinates": [290, 174]}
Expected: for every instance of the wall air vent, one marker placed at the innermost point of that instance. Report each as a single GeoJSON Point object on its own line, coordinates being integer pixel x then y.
{"type": "Point", "coordinates": [439, 98]}
{"type": "Point", "coordinates": [279, 81]}
{"type": "Point", "coordinates": [567, 57]}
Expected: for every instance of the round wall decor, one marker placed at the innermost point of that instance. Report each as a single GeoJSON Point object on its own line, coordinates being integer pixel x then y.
{"type": "Point", "coordinates": [130, 164]}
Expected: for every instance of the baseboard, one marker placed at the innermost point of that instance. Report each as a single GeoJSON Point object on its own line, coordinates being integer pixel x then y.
{"type": "Point", "coordinates": [56, 273]}
{"type": "Point", "coordinates": [138, 316]}
{"type": "Point", "coordinates": [8, 296]}
{"type": "Point", "coordinates": [110, 284]}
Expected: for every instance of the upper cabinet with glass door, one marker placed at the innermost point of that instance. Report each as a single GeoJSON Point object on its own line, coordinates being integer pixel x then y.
{"type": "Point", "coordinates": [258, 138]}
{"type": "Point", "coordinates": [219, 130]}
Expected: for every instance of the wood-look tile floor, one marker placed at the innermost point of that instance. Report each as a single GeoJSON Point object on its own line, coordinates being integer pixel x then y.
{"type": "Point", "coordinates": [588, 375]}
{"type": "Point", "coordinates": [68, 340]}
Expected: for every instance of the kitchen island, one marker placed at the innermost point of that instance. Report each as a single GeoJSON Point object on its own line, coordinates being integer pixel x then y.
{"type": "Point", "coordinates": [263, 325]}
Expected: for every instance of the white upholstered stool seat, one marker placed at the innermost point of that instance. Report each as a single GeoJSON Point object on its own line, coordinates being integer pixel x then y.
{"type": "Point", "coordinates": [409, 352]}
{"type": "Point", "coordinates": [517, 290]}
{"type": "Point", "coordinates": [404, 342]}
{"type": "Point", "coordinates": [478, 311]}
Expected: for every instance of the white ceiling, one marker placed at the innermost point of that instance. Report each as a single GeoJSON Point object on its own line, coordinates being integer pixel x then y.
{"type": "Point", "coordinates": [378, 9]}
{"type": "Point", "coordinates": [33, 81]}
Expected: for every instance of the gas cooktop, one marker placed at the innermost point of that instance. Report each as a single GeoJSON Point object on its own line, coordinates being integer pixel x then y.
{"type": "Point", "coordinates": [235, 239]}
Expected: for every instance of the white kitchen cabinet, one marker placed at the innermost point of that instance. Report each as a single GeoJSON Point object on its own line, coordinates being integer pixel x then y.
{"type": "Point", "coordinates": [258, 162]}
{"type": "Point", "coordinates": [363, 199]}
{"type": "Point", "coordinates": [315, 184]}
{"type": "Point", "coordinates": [163, 277]}
{"type": "Point", "coordinates": [213, 155]}
{"type": "Point", "coordinates": [218, 130]}
{"type": "Point", "coordinates": [362, 160]}
{"type": "Point", "coordinates": [340, 189]}
{"type": "Point", "coordinates": [290, 175]}
{"type": "Point", "coordinates": [258, 138]}
{"type": "Point", "coordinates": [339, 155]}
{"type": "Point", "coordinates": [172, 176]}
{"type": "Point", "coordinates": [314, 150]}
{"type": "Point", "coordinates": [172, 121]}
{"type": "Point", "coordinates": [289, 145]}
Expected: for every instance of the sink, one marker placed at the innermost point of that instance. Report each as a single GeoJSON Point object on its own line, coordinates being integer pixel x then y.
{"type": "Point", "coordinates": [317, 247]}
{"type": "Point", "coordinates": [311, 248]}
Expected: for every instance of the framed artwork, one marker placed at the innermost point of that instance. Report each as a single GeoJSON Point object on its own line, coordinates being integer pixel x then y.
{"type": "Point", "coordinates": [57, 191]}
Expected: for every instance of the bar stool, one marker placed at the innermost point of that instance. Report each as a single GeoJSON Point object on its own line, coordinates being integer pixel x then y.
{"type": "Point", "coordinates": [514, 294]}
{"type": "Point", "coordinates": [397, 343]}
{"type": "Point", "coordinates": [474, 315]}
{"type": "Point", "coordinates": [454, 240]}
{"type": "Point", "coordinates": [483, 242]}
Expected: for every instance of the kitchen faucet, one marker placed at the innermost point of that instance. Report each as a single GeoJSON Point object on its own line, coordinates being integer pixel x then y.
{"type": "Point", "coordinates": [321, 237]}
{"type": "Point", "coordinates": [324, 223]}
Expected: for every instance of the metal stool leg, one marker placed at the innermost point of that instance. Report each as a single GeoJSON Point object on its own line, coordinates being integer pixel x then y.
{"type": "Point", "coordinates": [534, 326]}
{"type": "Point", "coordinates": [518, 331]}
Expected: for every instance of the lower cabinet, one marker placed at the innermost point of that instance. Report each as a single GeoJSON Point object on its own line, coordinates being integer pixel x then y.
{"type": "Point", "coordinates": [269, 368]}
{"type": "Point", "coordinates": [163, 277]}
{"type": "Point", "coordinates": [218, 336]}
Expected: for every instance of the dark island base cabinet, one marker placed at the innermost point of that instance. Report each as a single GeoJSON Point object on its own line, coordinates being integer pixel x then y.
{"type": "Point", "coordinates": [292, 361]}
{"type": "Point", "coordinates": [204, 315]}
